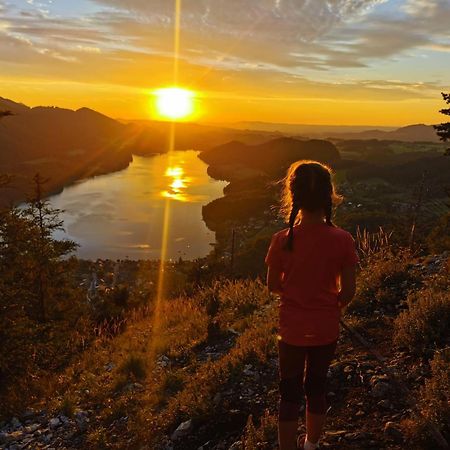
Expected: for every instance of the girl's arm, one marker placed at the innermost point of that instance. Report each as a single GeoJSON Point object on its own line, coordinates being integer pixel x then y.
{"type": "Point", "coordinates": [348, 285]}
{"type": "Point", "coordinates": [274, 280]}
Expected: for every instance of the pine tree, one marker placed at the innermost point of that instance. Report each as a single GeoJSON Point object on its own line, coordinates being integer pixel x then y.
{"type": "Point", "coordinates": [443, 129]}
{"type": "Point", "coordinates": [31, 267]}
{"type": "Point", "coordinates": [46, 251]}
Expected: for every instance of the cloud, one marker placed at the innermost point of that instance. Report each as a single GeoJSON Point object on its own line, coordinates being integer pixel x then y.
{"type": "Point", "coordinates": [283, 20]}
{"type": "Point", "coordinates": [309, 48]}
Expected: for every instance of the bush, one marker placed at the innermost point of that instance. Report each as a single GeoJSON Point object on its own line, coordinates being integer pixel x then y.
{"type": "Point", "coordinates": [384, 282]}
{"type": "Point", "coordinates": [439, 239]}
{"type": "Point", "coordinates": [134, 366]}
{"type": "Point", "coordinates": [262, 437]}
{"type": "Point", "coordinates": [436, 392]}
{"type": "Point", "coordinates": [424, 325]}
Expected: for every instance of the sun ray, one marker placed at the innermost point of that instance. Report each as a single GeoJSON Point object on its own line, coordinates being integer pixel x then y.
{"type": "Point", "coordinates": [156, 322]}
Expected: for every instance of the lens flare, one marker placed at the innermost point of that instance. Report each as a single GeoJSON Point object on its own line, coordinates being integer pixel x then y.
{"type": "Point", "coordinates": [174, 103]}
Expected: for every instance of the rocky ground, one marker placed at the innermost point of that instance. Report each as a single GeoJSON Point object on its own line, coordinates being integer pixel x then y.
{"type": "Point", "coordinates": [367, 407]}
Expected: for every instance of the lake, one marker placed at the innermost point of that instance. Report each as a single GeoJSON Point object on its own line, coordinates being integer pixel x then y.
{"type": "Point", "coordinates": [121, 214]}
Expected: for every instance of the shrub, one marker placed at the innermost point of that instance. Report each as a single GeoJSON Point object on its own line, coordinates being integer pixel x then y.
{"type": "Point", "coordinates": [439, 239]}
{"type": "Point", "coordinates": [384, 282]}
{"type": "Point", "coordinates": [262, 437]}
{"type": "Point", "coordinates": [67, 406]}
{"type": "Point", "coordinates": [134, 366]}
{"type": "Point", "coordinates": [172, 383]}
{"type": "Point", "coordinates": [250, 441]}
{"type": "Point", "coordinates": [424, 325]}
{"type": "Point", "coordinates": [436, 392]}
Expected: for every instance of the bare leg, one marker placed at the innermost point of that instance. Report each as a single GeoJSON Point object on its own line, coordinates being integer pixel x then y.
{"type": "Point", "coordinates": [314, 426]}
{"type": "Point", "coordinates": [318, 361]}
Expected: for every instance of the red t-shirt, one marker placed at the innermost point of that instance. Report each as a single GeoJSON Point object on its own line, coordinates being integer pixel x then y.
{"type": "Point", "coordinates": [309, 311]}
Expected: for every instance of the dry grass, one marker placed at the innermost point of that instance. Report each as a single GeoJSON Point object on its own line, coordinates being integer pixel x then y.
{"type": "Point", "coordinates": [385, 281]}
{"type": "Point", "coordinates": [435, 394]}
{"type": "Point", "coordinates": [424, 325]}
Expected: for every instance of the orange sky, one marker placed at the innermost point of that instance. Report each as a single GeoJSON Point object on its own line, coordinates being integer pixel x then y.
{"type": "Point", "coordinates": [376, 62]}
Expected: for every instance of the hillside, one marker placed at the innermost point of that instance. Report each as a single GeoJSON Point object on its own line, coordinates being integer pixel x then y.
{"type": "Point", "coordinates": [409, 133]}
{"type": "Point", "coordinates": [65, 145]}
{"type": "Point", "coordinates": [193, 379]}
{"type": "Point", "coordinates": [60, 144]}
{"type": "Point", "coordinates": [269, 157]}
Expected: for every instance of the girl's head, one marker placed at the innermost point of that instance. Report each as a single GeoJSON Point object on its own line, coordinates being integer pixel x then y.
{"type": "Point", "coordinates": [308, 187]}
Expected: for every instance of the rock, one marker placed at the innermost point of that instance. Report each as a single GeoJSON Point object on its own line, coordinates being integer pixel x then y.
{"type": "Point", "coordinates": [360, 413]}
{"type": "Point", "coordinates": [335, 433]}
{"type": "Point", "coordinates": [65, 420]}
{"type": "Point", "coordinates": [380, 389]}
{"type": "Point", "coordinates": [182, 430]}
{"type": "Point", "coordinates": [385, 404]}
{"type": "Point", "coordinates": [233, 331]}
{"type": "Point", "coordinates": [14, 436]}
{"type": "Point", "coordinates": [54, 423]}
{"type": "Point", "coordinates": [392, 431]}
{"type": "Point", "coordinates": [236, 446]}
{"type": "Point", "coordinates": [248, 370]}
{"type": "Point", "coordinates": [28, 414]}
{"type": "Point", "coordinates": [163, 361]}
{"type": "Point", "coordinates": [15, 423]}
{"type": "Point", "coordinates": [47, 438]}
{"type": "Point", "coordinates": [32, 428]}
{"type": "Point", "coordinates": [110, 366]}
{"type": "Point", "coordinates": [81, 420]}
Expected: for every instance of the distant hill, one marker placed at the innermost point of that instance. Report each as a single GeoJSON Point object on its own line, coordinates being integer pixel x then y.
{"type": "Point", "coordinates": [270, 157]}
{"type": "Point", "coordinates": [410, 133]}
{"type": "Point", "coordinates": [304, 129]}
{"type": "Point", "coordinates": [50, 132]}
{"type": "Point", "coordinates": [61, 144]}
{"type": "Point", "coordinates": [66, 145]}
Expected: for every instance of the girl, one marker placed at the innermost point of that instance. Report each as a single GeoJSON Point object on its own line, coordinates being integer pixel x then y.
{"type": "Point", "coordinates": [312, 266]}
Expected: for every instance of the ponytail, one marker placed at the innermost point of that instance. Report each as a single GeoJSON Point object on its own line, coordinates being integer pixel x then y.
{"type": "Point", "coordinates": [290, 241]}
{"type": "Point", "coordinates": [329, 211]}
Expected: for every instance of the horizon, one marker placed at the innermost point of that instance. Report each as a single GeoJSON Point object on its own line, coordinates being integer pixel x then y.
{"type": "Point", "coordinates": [362, 127]}
{"type": "Point", "coordinates": [382, 62]}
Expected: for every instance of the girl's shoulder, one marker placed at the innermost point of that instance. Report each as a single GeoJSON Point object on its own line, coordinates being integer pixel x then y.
{"type": "Point", "coordinates": [280, 236]}
{"type": "Point", "coordinates": [340, 232]}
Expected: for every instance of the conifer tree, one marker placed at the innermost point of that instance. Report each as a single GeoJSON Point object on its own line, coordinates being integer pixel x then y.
{"type": "Point", "coordinates": [443, 129]}
{"type": "Point", "coordinates": [31, 267]}
{"type": "Point", "coordinates": [45, 250]}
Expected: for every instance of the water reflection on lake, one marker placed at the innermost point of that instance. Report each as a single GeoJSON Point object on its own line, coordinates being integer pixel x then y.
{"type": "Point", "coordinates": [121, 214]}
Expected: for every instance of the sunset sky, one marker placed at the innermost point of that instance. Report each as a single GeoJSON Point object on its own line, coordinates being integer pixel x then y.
{"type": "Point", "coordinates": [343, 62]}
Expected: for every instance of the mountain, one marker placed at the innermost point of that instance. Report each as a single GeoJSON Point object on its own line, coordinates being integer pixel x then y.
{"type": "Point", "coordinates": [304, 129]}
{"type": "Point", "coordinates": [61, 144]}
{"type": "Point", "coordinates": [65, 145]}
{"type": "Point", "coordinates": [410, 133]}
{"type": "Point", "coordinates": [270, 157]}
{"type": "Point", "coordinates": [15, 108]}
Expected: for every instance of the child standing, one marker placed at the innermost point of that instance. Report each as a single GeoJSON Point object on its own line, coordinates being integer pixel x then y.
{"type": "Point", "coordinates": [312, 266]}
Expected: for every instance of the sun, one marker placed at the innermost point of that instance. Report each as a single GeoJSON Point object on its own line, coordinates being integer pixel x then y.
{"type": "Point", "coordinates": [174, 103]}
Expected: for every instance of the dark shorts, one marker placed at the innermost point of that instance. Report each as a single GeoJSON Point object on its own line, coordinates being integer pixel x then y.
{"type": "Point", "coordinates": [303, 373]}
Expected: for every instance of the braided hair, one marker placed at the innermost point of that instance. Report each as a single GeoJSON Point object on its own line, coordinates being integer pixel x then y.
{"type": "Point", "coordinates": [308, 186]}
